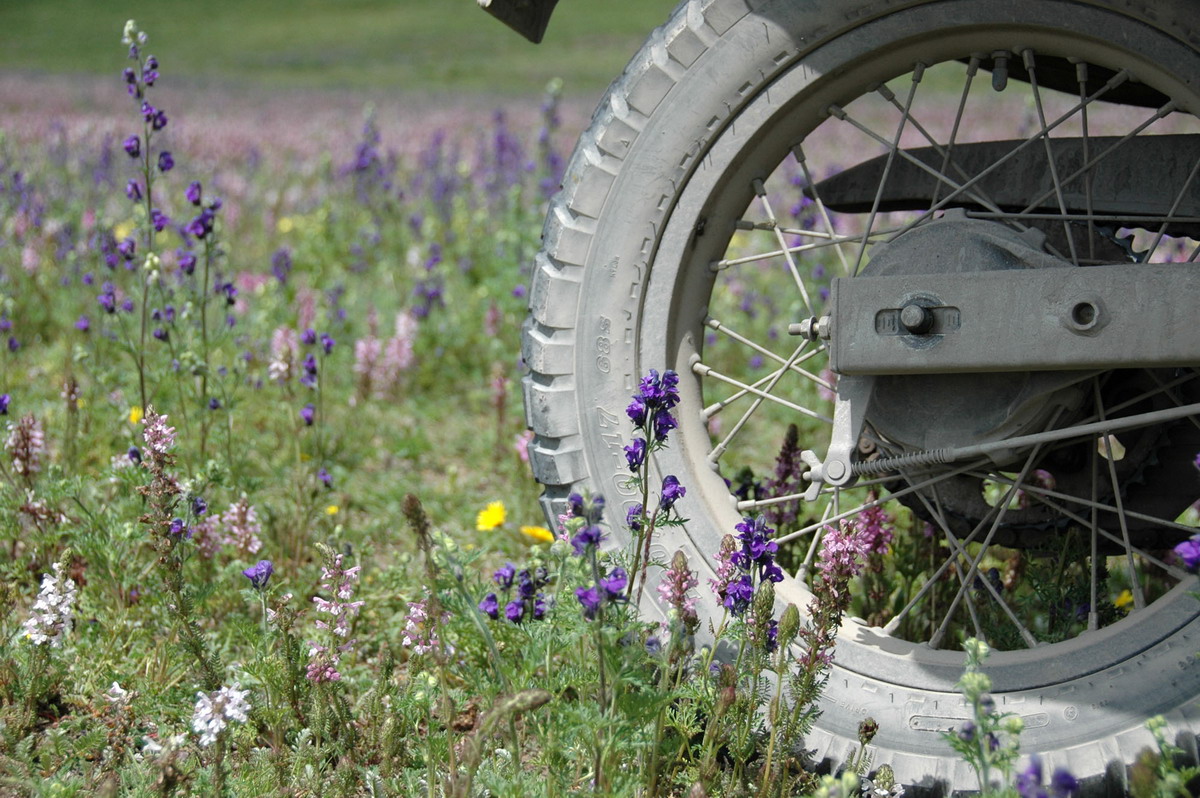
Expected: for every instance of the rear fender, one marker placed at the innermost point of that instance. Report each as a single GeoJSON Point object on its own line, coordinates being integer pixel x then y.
{"type": "Point", "coordinates": [527, 17]}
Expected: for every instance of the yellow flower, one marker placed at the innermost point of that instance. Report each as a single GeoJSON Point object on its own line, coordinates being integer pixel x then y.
{"type": "Point", "coordinates": [135, 415]}
{"type": "Point", "coordinates": [538, 533]}
{"type": "Point", "coordinates": [285, 224]}
{"type": "Point", "coordinates": [1123, 600]}
{"type": "Point", "coordinates": [123, 229]}
{"type": "Point", "coordinates": [490, 517]}
{"type": "Point", "coordinates": [332, 510]}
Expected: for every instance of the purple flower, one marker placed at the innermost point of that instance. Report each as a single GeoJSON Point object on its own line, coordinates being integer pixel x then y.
{"type": "Point", "coordinates": [133, 146]}
{"type": "Point", "coordinates": [159, 219]}
{"type": "Point", "coordinates": [324, 478]}
{"type": "Point", "coordinates": [1029, 781]}
{"type": "Point", "coordinates": [4, 400]}
{"type": "Point", "coordinates": [108, 301]}
{"type": "Point", "coordinates": [308, 337]}
{"type": "Point", "coordinates": [515, 611]}
{"type": "Point", "coordinates": [159, 121]}
{"type": "Point", "coordinates": [664, 422]}
{"type": "Point", "coordinates": [672, 491]}
{"type": "Point", "coordinates": [1189, 552]}
{"type": "Point", "coordinates": [636, 411]}
{"type": "Point", "coordinates": [128, 248]}
{"type": "Point", "coordinates": [165, 162]}
{"type": "Point", "coordinates": [490, 606]}
{"type": "Point", "coordinates": [308, 413]}
{"type": "Point", "coordinates": [187, 261]}
{"type": "Point", "coordinates": [589, 535]}
{"type": "Point", "coordinates": [966, 732]}
{"type": "Point", "coordinates": [633, 517]}
{"type": "Point", "coordinates": [161, 334]}
{"type": "Point", "coordinates": [175, 529]}
{"type": "Point", "coordinates": [13, 343]}
{"type": "Point", "coordinates": [738, 595]}
{"type": "Point", "coordinates": [193, 192]}
{"type": "Point", "coordinates": [1063, 784]}
{"type": "Point", "coordinates": [129, 75]}
{"type": "Point", "coordinates": [635, 454]}
{"type": "Point", "coordinates": [614, 584]}
{"type": "Point", "coordinates": [281, 264]}
{"type": "Point", "coordinates": [83, 324]}
{"type": "Point", "coordinates": [327, 342]}
{"type": "Point", "coordinates": [259, 574]}
{"type": "Point", "coordinates": [199, 506]}
{"type": "Point", "coordinates": [589, 598]}
{"type": "Point", "coordinates": [504, 576]}
{"type": "Point", "coordinates": [133, 190]}
{"type": "Point", "coordinates": [134, 454]}
{"type": "Point", "coordinates": [214, 403]}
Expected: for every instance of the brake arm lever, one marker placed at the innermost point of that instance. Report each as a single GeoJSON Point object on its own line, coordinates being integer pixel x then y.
{"type": "Point", "coordinates": [854, 394]}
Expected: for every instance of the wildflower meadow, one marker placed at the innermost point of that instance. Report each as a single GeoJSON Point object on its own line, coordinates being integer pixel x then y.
{"type": "Point", "coordinates": [267, 523]}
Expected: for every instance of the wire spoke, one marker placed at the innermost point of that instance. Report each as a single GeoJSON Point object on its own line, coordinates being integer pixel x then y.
{"type": "Point", "coordinates": [761, 191]}
{"type": "Point", "coordinates": [720, 327]}
{"type": "Point", "coordinates": [1028, 57]}
{"type": "Point", "coordinates": [822, 211]}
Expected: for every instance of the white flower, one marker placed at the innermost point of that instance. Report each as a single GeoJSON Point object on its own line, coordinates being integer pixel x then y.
{"type": "Point", "coordinates": [51, 618]}
{"type": "Point", "coordinates": [117, 695]}
{"type": "Point", "coordinates": [215, 710]}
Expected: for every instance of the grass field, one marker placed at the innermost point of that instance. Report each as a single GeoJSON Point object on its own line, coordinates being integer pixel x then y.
{"type": "Point", "coordinates": [412, 45]}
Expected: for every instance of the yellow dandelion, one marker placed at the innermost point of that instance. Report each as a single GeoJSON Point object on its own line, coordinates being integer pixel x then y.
{"type": "Point", "coordinates": [332, 509]}
{"type": "Point", "coordinates": [1123, 600]}
{"type": "Point", "coordinates": [135, 415]}
{"type": "Point", "coordinates": [491, 517]}
{"type": "Point", "coordinates": [538, 533]}
{"type": "Point", "coordinates": [285, 224]}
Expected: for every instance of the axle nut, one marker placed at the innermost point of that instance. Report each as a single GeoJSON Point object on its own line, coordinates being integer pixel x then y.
{"type": "Point", "coordinates": [916, 319]}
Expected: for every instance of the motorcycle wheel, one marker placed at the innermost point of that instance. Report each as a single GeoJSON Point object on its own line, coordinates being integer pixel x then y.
{"type": "Point", "coordinates": [674, 243]}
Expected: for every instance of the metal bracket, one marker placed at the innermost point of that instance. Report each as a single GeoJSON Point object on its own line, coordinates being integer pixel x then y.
{"type": "Point", "coordinates": [854, 395]}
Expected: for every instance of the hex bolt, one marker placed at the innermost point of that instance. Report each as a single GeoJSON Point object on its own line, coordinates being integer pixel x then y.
{"type": "Point", "coordinates": [917, 319]}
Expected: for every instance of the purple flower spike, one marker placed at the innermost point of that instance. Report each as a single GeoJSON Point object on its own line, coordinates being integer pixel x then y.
{"type": "Point", "coordinates": [589, 598]}
{"type": "Point", "coordinates": [308, 414]}
{"type": "Point", "coordinates": [672, 491]}
{"type": "Point", "coordinates": [259, 574]}
{"type": "Point", "coordinates": [614, 583]}
{"type": "Point", "coordinates": [165, 162]}
{"type": "Point", "coordinates": [504, 576]}
{"type": "Point", "coordinates": [635, 454]}
{"type": "Point", "coordinates": [133, 190]}
{"type": "Point", "coordinates": [193, 192]}
{"type": "Point", "coordinates": [133, 146]}
{"type": "Point", "coordinates": [327, 342]}
{"type": "Point", "coordinates": [490, 606]}
{"type": "Point", "coordinates": [515, 611]}
{"type": "Point", "coordinates": [1189, 552]}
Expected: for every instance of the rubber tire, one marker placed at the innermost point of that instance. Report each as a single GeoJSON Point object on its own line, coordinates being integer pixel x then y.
{"type": "Point", "coordinates": [586, 343]}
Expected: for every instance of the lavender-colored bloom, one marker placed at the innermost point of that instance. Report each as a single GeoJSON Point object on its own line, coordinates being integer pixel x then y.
{"type": "Point", "coordinates": [133, 146]}
{"type": "Point", "coordinates": [504, 576]}
{"type": "Point", "coordinates": [187, 261]}
{"type": "Point", "coordinates": [966, 732]}
{"type": "Point", "coordinates": [176, 527]}
{"type": "Point", "coordinates": [636, 411]}
{"type": "Point", "coordinates": [1063, 784]}
{"type": "Point", "coordinates": [589, 535]}
{"type": "Point", "coordinates": [327, 342]}
{"type": "Point", "coordinates": [664, 422]}
{"type": "Point", "coordinates": [281, 264]}
{"type": "Point", "coordinates": [672, 491]}
{"type": "Point", "coordinates": [308, 414]}
{"type": "Point", "coordinates": [193, 192]}
{"type": "Point", "coordinates": [738, 595]}
{"type": "Point", "coordinates": [635, 454]}
{"type": "Point", "coordinates": [83, 324]}
{"type": "Point", "coordinates": [127, 305]}
{"type": "Point", "coordinates": [161, 334]}
{"type": "Point", "coordinates": [214, 403]}
{"type": "Point", "coordinates": [134, 454]}
{"type": "Point", "coordinates": [515, 611]}
{"type": "Point", "coordinates": [308, 337]}
{"type": "Point", "coordinates": [633, 517]}
{"type": "Point", "coordinates": [614, 584]}
{"type": "Point", "coordinates": [129, 75]}
{"type": "Point", "coordinates": [324, 478]}
{"type": "Point", "coordinates": [133, 190]}
{"type": "Point", "coordinates": [108, 301]}
{"type": "Point", "coordinates": [13, 343]}
{"type": "Point", "coordinates": [199, 506]}
{"type": "Point", "coordinates": [1189, 553]}
{"type": "Point", "coordinates": [159, 122]}
{"type": "Point", "coordinates": [259, 574]}
{"type": "Point", "coordinates": [165, 162]}
{"type": "Point", "coordinates": [1029, 781]}
{"type": "Point", "coordinates": [128, 248]}
{"type": "Point", "coordinates": [4, 400]}
{"type": "Point", "coordinates": [159, 219]}
{"type": "Point", "coordinates": [490, 606]}
{"type": "Point", "coordinates": [589, 598]}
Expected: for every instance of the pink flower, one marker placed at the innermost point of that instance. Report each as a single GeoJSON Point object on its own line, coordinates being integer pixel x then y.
{"type": "Point", "coordinates": [25, 445]}
{"type": "Point", "coordinates": [160, 438]}
{"type": "Point", "coordinates": [285, 346]}
{"type": "Point", "coordinates": [241, 526]}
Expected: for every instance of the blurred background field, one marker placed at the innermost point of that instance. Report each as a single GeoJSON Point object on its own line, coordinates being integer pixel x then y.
{"type": "Point", "coordinates": [379, 47]}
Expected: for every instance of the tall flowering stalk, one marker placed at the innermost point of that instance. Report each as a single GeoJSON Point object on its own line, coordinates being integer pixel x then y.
{"type": "Point", "coordinates": [650, 412]}
{"type": "Point", "coordinates": [168, 535]}
{"type": "Point", "coordinates": [339, 582]}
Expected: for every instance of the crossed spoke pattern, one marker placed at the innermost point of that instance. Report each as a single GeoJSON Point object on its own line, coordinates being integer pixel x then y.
{"type": "Point", "coordinates": [792, 240]}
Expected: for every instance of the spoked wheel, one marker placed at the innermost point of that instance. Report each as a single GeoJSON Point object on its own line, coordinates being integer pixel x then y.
{"type": "Point", "coordinates": [747, 158]}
